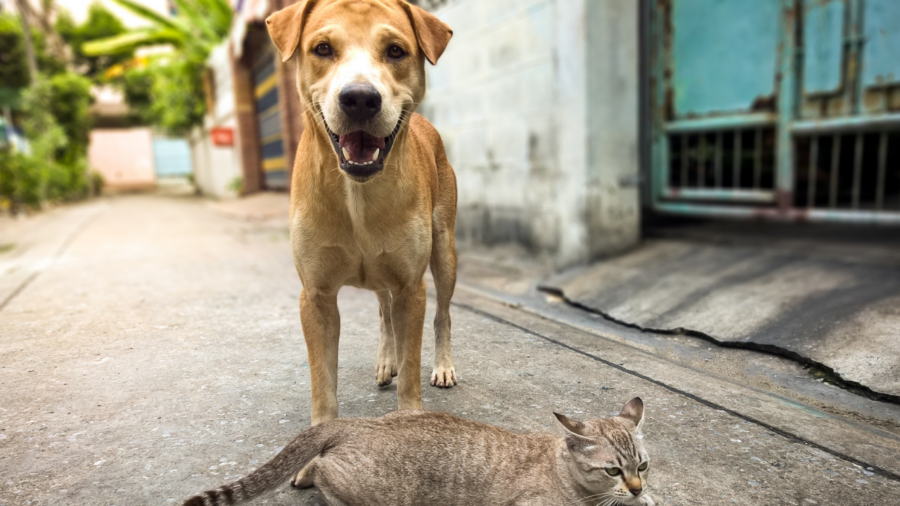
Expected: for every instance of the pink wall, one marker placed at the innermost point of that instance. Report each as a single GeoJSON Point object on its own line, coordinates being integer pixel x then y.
{"type": "Point", "coordinates": [124, 157]}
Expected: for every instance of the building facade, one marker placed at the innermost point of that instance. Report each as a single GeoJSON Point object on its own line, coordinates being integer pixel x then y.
{"type": "Point", "coordinates": [537, 104]}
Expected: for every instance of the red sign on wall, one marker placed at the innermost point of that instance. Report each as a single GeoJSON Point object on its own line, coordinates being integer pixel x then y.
{"type": "Point", "coordinates": [222, 136]}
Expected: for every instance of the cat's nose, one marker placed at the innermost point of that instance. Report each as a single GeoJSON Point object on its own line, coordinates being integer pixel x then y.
{"type": "Point", "coordinates": [636, 491]}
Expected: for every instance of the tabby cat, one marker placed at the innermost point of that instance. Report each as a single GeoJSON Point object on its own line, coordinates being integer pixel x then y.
{"type": "Point", "coordinates": [430, 458]}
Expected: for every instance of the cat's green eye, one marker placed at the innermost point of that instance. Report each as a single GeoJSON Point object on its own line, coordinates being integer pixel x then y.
{"type": "Point", "coordinates": [613, 471]}
{"type": "Point", "coordinates": [643, 467]}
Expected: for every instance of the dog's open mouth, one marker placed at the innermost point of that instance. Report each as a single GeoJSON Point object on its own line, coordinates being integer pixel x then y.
{"type": "Point", "coordinates": [361, 154]}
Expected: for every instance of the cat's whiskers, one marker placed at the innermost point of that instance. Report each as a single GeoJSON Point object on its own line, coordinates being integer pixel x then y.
{"type": "Point", "coordinates": [601, 495]}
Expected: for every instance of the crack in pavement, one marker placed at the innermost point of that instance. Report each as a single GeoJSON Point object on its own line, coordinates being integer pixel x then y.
{"type": "Point", "coordinates": [781, 432]}
{"type": "Point", "coordinates": [819, 369]}
{"type": "Point", "coordinates": [53, 258]}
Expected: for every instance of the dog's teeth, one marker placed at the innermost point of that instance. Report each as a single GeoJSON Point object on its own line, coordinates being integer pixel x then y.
{"type": "Point", "coordinates": [346, 153]}
{"type": "Point", "coordinates": [375, 154]}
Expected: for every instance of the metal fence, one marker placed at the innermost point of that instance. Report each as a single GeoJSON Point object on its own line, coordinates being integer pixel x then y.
{"type": "Point", "coordinates": [781, 109]}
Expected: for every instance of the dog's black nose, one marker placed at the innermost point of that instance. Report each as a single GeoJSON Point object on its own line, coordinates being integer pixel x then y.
{"type": "Point", "coordinates": [360, 102]}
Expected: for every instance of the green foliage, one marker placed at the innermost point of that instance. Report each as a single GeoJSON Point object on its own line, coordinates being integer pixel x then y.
{"type": "Point", "coordinates": [69, 103]}
{"type": "Point", "coordinates": [100, 23]}
{"type": "Point", "coordinates": [136, 84]}
{"type": "Point", "coordinates": [13, 58]}
{"type": "Point", "coordinates": [167, 94]}
{"type": "Point", "coordinates": [13, 64]}
{"type": "Point", "coordinates": [199, 26]}
{"type": "Point", "coordinates": [53, 110]}
{"type": "Point", "coordinates": [168, 91]}
{"type": "Point", "coordinates": [236, 185]}
{"type": "Point", "coordinates": [20, 180]}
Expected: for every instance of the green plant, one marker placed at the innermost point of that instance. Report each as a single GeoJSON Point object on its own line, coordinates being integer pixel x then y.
{"type": "Point", "coordinates": [167, 91]}
{"type": "Point", "coordinates": [13, 62]}
{"type": "Point", "coordinates": [20, 180]}
{"type": "Point", "coordinates": [57, 168]}
{"type": "Point", "coordinates": [236, 185]}
{"type": "Point", "coordinates": [69, 103]}
{"type": "Point", "coordinates": [199, 26]}
{"type": "Point", "coordinates": [96, 182]}
{"type": "Point", "coordinates": [100, 23]}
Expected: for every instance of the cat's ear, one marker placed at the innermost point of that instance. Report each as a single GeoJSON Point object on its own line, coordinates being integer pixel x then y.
{"type": "Point", "coordinates": [572, 426]}
{"type": "Point", "coordinates": [633, 411]}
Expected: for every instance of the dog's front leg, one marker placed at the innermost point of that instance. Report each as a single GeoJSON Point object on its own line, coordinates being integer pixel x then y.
{"type": "Point", "coordinates": [386, 360]}
{"type": "Point", "coordinates": [321, 324]}
{"type": "Point", "coordinates": [408, 318]}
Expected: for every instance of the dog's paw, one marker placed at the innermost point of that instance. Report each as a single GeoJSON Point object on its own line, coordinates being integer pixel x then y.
{"type": "Point", "coordinates": [384, 373]}
{"type": "Point", "coordinates": [443, 377]}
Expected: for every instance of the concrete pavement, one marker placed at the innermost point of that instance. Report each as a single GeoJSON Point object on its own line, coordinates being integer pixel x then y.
{"type": "Point", "coordinates": [157, 352]}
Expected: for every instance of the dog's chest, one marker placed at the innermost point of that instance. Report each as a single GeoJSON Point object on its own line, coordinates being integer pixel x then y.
{"type": "Point", "coordinates": [362, 251]}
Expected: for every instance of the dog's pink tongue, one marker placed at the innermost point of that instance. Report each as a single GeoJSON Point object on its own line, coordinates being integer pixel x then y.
{"type": "Point", "coordinates": [360, 146]}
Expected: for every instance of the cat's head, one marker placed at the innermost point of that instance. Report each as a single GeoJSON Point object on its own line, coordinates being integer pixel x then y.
{"type": "Point", "coordinates": [607, 454]}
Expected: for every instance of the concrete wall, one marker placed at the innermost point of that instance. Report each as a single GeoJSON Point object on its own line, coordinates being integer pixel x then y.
{"type": "Point", "coordinates": [124, 156]}
{"type": "Point", "coordinates": [536, 101]}
{"type": "Point", "coordinates": [215, 167]}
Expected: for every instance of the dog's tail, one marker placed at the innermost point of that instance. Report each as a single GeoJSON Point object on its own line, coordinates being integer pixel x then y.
{"type": "Point", "coordinates": [299, 452]}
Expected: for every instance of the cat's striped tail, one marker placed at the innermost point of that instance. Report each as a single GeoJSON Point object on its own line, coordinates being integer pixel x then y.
{"type": "Point", "coordinates": [292, 458]}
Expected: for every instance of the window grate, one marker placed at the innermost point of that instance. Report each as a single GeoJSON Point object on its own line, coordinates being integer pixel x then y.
{"type": "Point", "coordinates": [723, 160]}
{"type": "Point", "coordinates": [855, 171]}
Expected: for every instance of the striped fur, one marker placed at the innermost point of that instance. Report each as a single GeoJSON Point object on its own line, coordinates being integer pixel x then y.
{"type": "Point", "coordinates": [294, 456]}
{"type": "Point", "coordinates": [412, 458]}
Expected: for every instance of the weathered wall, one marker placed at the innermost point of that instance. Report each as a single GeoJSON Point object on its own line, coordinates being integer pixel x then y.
{"type": "Point", "coordinates": [514, 97]}
{"type": "Point", "coordinates": [215, 167]}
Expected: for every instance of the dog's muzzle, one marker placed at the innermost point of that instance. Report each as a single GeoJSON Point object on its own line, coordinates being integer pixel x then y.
{"type": "Point", "coordinates": [361, 154]}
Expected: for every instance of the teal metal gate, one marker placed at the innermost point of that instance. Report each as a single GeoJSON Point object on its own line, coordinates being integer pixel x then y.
{"type": "Point", "coordinates": [782, 109]}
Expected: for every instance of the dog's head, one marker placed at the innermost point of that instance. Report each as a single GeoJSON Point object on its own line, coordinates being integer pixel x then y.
{"type": "Point", "coordinates": [361, 70]}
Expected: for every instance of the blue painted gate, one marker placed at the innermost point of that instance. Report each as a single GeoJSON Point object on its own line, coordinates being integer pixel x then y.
{"type": "Point", "coordinates": [171, 157]}
{"type": "Point", "coordinates": [784, 109]}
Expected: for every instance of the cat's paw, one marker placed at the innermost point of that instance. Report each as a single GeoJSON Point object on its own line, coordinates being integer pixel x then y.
{"type": "Point", "coordinates": [645, 500]}
{"type": "Point", "coordinates": [443, 377]}
{"type": "Point", "coordinates": [305, 478]}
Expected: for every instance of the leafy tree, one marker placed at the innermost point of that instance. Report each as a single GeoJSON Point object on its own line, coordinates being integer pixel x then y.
{"type": "Point", "coordinates": [69, 103]}
{"type": "Point", "coordinates": [13, 62]}
{"type": "Point", "coordinates": [199, 26]}
{"type": "Point", "coordinates": [100, 23]}
{"type": "Point", "coordinates": [167, 91]}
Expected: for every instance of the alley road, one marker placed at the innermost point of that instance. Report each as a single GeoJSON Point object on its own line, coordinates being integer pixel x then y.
{"type": "Point", "coordinates": [150, 348]}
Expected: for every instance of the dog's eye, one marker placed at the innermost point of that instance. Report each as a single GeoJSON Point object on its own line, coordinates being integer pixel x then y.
{"type": "Point", "coordinates": [323, 50]}
{"type": "Point", "coordinates": [396, 52]}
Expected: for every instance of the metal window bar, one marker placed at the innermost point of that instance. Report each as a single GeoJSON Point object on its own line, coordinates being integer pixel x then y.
{"type": "Point", "coordinates": [813, 171]}
{"type": "Point", "coordinates": [757, 163]}
{"type": "Point", "coordinates": [882, 162]}
{"type": "Point", "coordinates": [736, 170]}
{"type": "Point", "coordinates": [835, 164]}
{"type": "Point", "coordinates": [857, 169]}
{"type": "Point", "coordinates": [701, 162]}
{"type": "Point", "coordinates": [718, 162]}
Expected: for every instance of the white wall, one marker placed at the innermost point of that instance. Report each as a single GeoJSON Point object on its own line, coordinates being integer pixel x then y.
{"type": "Point", "coordinates": [124, 156]}
{"type": "Point", "coordinates": [539, 117]}
{"type": "Point", "coordinates": [215, 167]}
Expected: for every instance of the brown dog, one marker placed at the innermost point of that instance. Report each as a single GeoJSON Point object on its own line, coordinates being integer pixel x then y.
{"type": "Point", "coordinates": [373, 198]}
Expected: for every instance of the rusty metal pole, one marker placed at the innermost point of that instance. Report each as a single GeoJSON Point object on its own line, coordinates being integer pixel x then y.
{"type": "Point", "coordinates": [29, 46]}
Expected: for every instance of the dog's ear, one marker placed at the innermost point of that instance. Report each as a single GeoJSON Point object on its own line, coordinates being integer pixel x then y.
{"type": "Point", "coordinates": [432, 34]}
{"type": "Point", "coordinates": [286, 26]}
